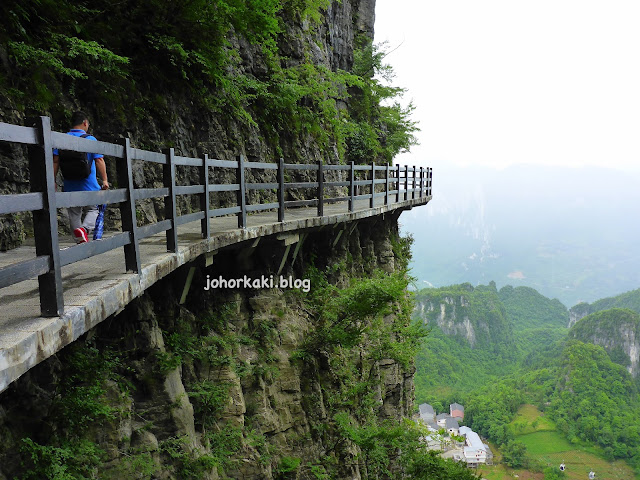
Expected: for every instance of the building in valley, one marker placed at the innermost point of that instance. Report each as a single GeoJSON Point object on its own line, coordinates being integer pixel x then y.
{"type": "Point", "coordinates": [456, 411]}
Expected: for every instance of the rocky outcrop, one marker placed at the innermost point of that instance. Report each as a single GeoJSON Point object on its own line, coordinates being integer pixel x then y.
{"type": "Point", "coordinates": [578, 312]}
{"type": "Point", "coordinates": [615, 329]}
{"type": "Point", "coordinates": [448, 320]}
{"type": "Point", "coordinates": [219, 387]}
{"type": "Point", "coordinates": [474, 316]}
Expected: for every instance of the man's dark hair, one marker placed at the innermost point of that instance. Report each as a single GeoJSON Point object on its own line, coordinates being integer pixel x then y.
{"type": "Point", "coordinates": [78, 117]}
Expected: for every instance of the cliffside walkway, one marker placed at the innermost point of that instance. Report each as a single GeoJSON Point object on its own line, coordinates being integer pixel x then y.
{"type": "Point", "coordinates": [53, 291]}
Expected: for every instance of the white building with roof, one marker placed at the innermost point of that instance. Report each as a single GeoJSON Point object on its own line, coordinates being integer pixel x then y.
{"type": "Point", "coordinates": [475, 451]}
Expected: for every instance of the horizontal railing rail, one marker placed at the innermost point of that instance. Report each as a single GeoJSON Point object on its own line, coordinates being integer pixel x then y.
{"type": "Point", "coordinates": [393, 183]}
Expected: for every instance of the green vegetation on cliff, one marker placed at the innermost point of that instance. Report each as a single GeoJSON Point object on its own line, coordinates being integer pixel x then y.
{"type": "Point", "coordinates": [616, 329]}
{"type": "Point", "coordinates": [472, 315]}
{"type": "Point", "coordinates": [479, 334]}
{"type": "Point", "coordinates": [605, 321]}
{"type": "Point", "coordinates": [538, 322]}
{"type": "Point", "coordinates": [444, 367]}
{"type": "Point", "coordinates": [250, 61]}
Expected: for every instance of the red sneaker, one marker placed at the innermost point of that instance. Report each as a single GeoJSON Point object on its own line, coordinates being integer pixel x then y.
{"type": "Point", "coordinates": [81, 235]}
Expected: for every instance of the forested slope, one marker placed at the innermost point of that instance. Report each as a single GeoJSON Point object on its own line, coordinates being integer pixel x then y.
{"type": "Point", "coordinates": [590, 398]}
{"type": "Point", "coordinates": [478, 334]}
{"type": "Point", "coordinates": [617, 330]}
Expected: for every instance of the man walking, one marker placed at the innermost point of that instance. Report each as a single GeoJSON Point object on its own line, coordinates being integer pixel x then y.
{"type": "Point", "coordinates": [81, 219]}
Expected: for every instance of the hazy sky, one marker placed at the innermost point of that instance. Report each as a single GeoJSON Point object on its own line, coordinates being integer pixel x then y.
{"type": "Point", "coordinates": [497, 82]}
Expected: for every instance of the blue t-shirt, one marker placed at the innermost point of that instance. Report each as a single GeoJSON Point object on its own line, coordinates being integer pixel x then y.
{"type": "Point", "coordinates": [89, 184]}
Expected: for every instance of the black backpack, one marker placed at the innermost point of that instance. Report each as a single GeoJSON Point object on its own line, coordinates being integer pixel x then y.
{"type": "Point", "coordinates": [74, 165]}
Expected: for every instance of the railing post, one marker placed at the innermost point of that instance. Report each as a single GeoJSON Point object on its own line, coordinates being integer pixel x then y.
{"type": "Point", "coordinates": [406, 183]}
{"type": "Point", "coordinates": [204, 198]}
{"type": "Point", "coordinates": [421, 182]}
{"type": "Point", "coordinates": [398, 183]}
{"type": "Point", "coordinates": [413, 190]}
{"type": "Point", "coordinates": [320, 189]}
{"type": "Point", "coordinates": [373, 184]}
{"type": "Point", "coordinates": [386, 185]}
{"type": "Point", "coordinates": [430, 180]}
{"type": "Point", "coordinates": [45, 221]}
{"type": "Point", "coordinates": [124, 174]}
{"type": "Point", "coordinates": [169, 177]}
{"type": "Point", "coordinates": [242, 200]}
{"type": "Point", "coordinates": [281, 190]}
{"type": "Point", "coordinates": [426, 181]}
{"type": "Point", "coordinates": [351, 172]}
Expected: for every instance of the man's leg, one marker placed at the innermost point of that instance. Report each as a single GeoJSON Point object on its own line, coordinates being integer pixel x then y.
{"type": "Point", "coordinates": [90, 215]}
{"type": "Point", "coordinates": [75, 222]}
{"type": "Point", "coordinates": [75, 217]}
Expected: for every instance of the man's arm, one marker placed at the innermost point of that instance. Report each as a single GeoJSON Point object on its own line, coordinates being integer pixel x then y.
{"type": "Point", "coordinates": [101, 169]}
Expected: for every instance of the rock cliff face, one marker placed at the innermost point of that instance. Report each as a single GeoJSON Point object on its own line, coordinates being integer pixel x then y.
{"type": "Point", "coordinates": [451, 318]}
{"type": "Point", "coordinates": [578, 312]}
{"type": "Point", "coordinates": [223, 386]}
{"type": "Point", "coordinates": [615, 329]}
{"type": "Point", "coordinates": [176, 121]}
{"type": "Point", "coordinates": [472, 315]}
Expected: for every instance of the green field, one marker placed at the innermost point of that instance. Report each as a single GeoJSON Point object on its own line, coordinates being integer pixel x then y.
{"type": "Point", "coordinates": [550, 448]}
{"type": "Point", "coordinates": [529, 420]}
{"type": "Point", "coordinates": [545, 443]}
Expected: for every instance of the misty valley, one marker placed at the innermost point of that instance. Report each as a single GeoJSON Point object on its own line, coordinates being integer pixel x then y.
{"type": "Point", "coordinates": [571, 234]}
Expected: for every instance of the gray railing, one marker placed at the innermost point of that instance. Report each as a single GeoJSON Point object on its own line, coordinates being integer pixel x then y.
{"type": "Point", "coordinates": [402, 183]}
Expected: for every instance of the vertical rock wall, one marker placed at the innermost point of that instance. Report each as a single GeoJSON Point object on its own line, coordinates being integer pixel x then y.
{"type": "Point", "coordinates": [219, 387]}
{"type": "Point", "coordinates": [192, 130]}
